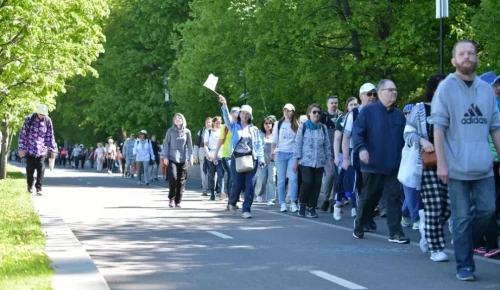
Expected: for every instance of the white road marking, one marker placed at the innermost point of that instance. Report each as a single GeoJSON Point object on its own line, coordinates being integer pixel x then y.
{"type": "Point", "coordinates": [89, 183]}
{"type": "Point", "coordinates": [100, 187]}
{"type": "Point", "coordinates": [338, 280]}
{"type": "Point", "coordinates": [220, 235]}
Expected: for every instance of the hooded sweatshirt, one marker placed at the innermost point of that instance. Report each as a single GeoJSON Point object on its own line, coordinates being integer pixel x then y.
{"type": "Point", "coordinates": [466, 115]}
{"type": "Point", "coordinates": [178, 145]}
{"type": "Point", "coordinates": [143, 150]}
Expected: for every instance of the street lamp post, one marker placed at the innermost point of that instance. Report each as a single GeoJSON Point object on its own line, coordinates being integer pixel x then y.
{"type": "Point", "coordinates": [242, 74]}
{"type": "Point", "coordinates": [167, 97]}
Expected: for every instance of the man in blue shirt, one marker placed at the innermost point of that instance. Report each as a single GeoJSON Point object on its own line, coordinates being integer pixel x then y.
{"type": "Point", "coordinates": [378, 138]}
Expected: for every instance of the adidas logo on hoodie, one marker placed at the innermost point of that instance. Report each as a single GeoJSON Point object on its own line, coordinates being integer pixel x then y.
{"type": "Point", "coordinates": [474, 116]}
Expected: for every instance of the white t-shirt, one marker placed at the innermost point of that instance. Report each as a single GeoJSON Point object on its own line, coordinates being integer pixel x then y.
{"type": "Point", "coordinates": [349, 124]}
{"type": "Point", "coordinates": [212, 138]}
{"type": "Point", "coordinates": [286, 142]}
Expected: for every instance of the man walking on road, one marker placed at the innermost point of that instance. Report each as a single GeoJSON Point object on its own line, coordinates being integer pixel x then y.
{"type": "Point", "coordinates": [464, 112]}
{"type": "Point", "coordinates": [378, 137]}
{"type": "Point", "coordinates": [128, 154]}
{"type": "Point", "coordinates": [329, 118]}
{"type": "Point", "coordinates": [35, 141]}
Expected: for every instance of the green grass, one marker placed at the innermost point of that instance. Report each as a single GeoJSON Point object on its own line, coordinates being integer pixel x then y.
{"type": "Point", "coordinates": [23, 261]}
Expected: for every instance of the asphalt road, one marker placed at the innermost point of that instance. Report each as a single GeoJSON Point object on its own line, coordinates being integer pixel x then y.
{"type": "Point", "coordinates": [138, 242]}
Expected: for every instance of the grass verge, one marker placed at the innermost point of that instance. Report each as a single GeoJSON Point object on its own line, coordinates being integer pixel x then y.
{"type": "Point", "coordinates": [23, 261]}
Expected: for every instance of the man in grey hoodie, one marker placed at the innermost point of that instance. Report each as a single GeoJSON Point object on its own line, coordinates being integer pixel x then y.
{"type": "Point", "coordinates": [464, 112]}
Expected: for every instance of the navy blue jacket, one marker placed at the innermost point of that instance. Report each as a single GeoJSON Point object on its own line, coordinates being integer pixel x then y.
{"type": "Point", "coordinates": [380, 132]}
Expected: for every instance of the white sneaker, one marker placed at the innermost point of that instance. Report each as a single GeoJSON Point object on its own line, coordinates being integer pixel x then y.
{"type": "Point", "coordinates": [270, 203]}
{"type": "Point", "coordinates": [246, 215]}
{"type": "Point", "coordinates": [232, 209]}
{"type": "Point", "coordinates": [353, 212]}
{"type": "Point", "coordinates": [259, 198]}
{"type": "Point", "coordinates": [439, 257]}
{"type": "Point", "coordinates": [424, 246]}
{"type": "Point", "coordinates": [293, 207]}
{"type": "Point", "coordinates": [337, 213]}
{"type": "Point", "coordinates": [283, 207]}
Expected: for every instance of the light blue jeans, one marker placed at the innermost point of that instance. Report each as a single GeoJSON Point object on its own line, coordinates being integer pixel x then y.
{"type": "Point", "coordinates": [467, 227]}
{"type": "Point", "coordinates": [265, 182]}
{"type": "Point", "coordinates": [284, 163]}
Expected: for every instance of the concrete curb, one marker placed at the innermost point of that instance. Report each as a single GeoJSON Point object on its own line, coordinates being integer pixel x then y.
{"type": "Point", "coordinates": [73, 267]}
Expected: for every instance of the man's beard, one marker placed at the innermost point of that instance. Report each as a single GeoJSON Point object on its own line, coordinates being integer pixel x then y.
{"type": "Point", "coordinates": [466, 70]}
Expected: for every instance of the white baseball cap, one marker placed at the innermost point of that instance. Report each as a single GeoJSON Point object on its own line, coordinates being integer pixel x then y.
{"type": "Point", "coordinates": [246, 108]}
{"type": "Point", "coordinates": [144, 132]}
{"type": "Point", "coordinates": [110, 141]}
{"type": "Point", "coordinates": [366, 88]}
{"type": "Point", "coordinates": [42, 110]}
{"type": "Point", "coordinates": [289, 107]}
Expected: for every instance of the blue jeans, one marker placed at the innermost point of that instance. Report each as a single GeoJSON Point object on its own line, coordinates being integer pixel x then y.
{"type": "Point", "coordinates": [468, 229]}
{"type": "Point", "coordinates": [243, 181]}
{"type": "Point", "coordinates": [265, 182]}
{"type": "Point", "coordinates": [284, 163]}
{"type": "Point", "coordinates": [212, 169]}
{"type": "Point", "coordinates": [226, 164]}
{"type": "Point", "coordinates": [412, 202]}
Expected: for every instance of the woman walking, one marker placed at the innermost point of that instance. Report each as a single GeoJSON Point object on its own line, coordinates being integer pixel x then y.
{"type": "Point", "coordinates": [156, 163]}
{"type": "Point", "coordinates": [178, 154]}
{"type": "Point", "coordinates": [419, 134]}
{"type": "Point", "coordinates": [341, 194]}
{"type": "Point", "coordinates": [144, 156]}
{"type": "Point", "coordinates": [246, 152]}
{"type": "Point", "coordinates": [99, 157]}
{"type": "Point", "coordinates": [214, 161]}
{"type": "Point", "coordinates": [110, 155]}
{"type": "Point", "coordinates": [265, 176]}
{"type": "Point", "coordinates": [282, 152]}
{"type": "Point", "coordinates": [313, 152]}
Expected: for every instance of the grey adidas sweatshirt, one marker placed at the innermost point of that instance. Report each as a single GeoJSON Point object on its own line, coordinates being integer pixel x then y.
{"type": "Point", "coordinates": [466, 115]}
{"type": "Point", "coordinates": [178, 145]}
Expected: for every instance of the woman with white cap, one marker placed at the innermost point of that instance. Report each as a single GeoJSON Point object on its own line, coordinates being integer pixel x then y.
{"type": "Point", "coordinates": [178, 153]}
{"type": "Point", "coordinates": [246, 152]}
{"type": "Point", "coordinates": [143, 154]}
{"type": "Point", "coordinates": [282, 153]}
{"type": "Point", "coordinates": [110, 155]}
{"type": "Point", "coordinates": [99, 157]}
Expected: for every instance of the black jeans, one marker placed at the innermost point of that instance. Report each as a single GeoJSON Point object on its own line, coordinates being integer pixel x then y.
{"type": "Point", "coordinates": [35, 163]}
{"type": "Point", "coordinates": [311, 185]}
{"type": "Point", "coordinates": [369, 197]}
{"type": "Point", "coordinates": [177, 175]}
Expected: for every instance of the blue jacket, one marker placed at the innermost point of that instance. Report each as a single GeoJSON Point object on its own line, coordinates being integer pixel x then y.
{"type": "Point", "coordinates": [381, 133]}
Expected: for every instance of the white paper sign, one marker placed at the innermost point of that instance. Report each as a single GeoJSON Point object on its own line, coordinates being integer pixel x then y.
{"type": "Point", "coordinates": [441, 9]}
{"type": "Point", "coordinates": [211, 83]}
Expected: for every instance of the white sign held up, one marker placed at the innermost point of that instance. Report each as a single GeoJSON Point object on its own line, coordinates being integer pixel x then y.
{"type": "Point", "coordinates": [211, 83]}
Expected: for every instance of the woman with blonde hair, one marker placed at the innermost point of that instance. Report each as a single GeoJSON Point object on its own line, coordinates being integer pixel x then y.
{"type": "Point", "coordinates": [99, 157]}
{"type": "Point", "coordinates": [178, 152]}
{"type": "Point", "coordinates": [110, 155]}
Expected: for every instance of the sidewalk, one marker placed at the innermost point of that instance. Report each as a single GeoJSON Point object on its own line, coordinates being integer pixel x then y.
{"type": "Point", "coordinates": [73, 267]}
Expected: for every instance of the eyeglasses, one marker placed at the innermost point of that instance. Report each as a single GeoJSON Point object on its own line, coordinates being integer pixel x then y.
{"type": "Point", "coordinates": [315, 112]}
{"type": "Point", "coordinates": [392, 90]}
{"type": "Point", "coordinates": [371, 94]}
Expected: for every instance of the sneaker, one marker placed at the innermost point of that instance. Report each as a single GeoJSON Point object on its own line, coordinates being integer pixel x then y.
{"type": "Point", "coordinates": [311, 213]}
{"type": "Point", "coordinates": [212, 197]}
{"type": "Point", "coordinates": [171, 203]}
{"type": "Point", "coordinates": [259, 199]}
{"type": "Point", "coordinates": [357, 234]}
{"type": "Point", "coordinates": [178, 205]}
{"type": "Point", "coordinates": [30, 189]}
{"type": "Point", "coordinates": [405, 222]}
{"type": "Point", "coordinates": [353, 212]}
{"type": "Point", "coordinates": [232, 209]}
{"type": "Point", "coordinates": [39, 191]}
{"type": "Point", "coordinates": [293, 207]}
{"type": "Point", "coordinates": [415, 226]}
{"type": "Point", "coordinates": [270, 203]}
{"type": "Point", "coordinates": [283, 207]}
{"type": "Point", "coordinates": [246, 215]}
{"type": "Point", "coordinates": [399, 239]}
{"type": "Point", "coordinates": [424, 246]}
{"type": "Point", "coordinates": [466, 275]}
{"type": "Point", "coordinates": [204, 194]}
{"type": "Point", "coordinates": [439, 257]}
{"type": "Point", "coordinates": [223, 196]}
{"type": "Point", "coordinates": [302, 210]}
{"type": "Point", "coordinates": [337, 213]}
{"type": "Point", "coordinates": [347, 201]}
{"type": "Point", "coordinates": [366, 228]}
{"type": "Point", "coordinates": [480, 250]}
{"type": "Point", "coordinates": [492, 253]}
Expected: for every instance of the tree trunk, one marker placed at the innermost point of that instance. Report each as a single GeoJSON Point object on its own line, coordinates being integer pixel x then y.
{"type": "Point", "coordinates": [5, 146]}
